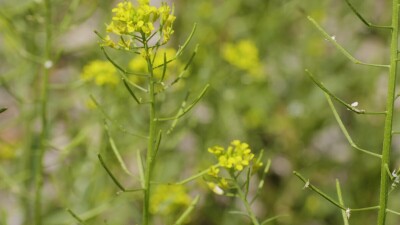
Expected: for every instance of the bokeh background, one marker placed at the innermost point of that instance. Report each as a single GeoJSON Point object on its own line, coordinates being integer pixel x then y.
{"type": "Point", "coordinates": [253, 54]}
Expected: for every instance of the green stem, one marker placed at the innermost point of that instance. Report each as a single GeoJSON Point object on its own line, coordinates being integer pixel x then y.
{"type": "Point", "coordinates": [243, 197]}
{"type": "Point", "coordinates": [387, 138]}
{"type": "Point", "coordinates": [340, 198]}
{"type": "Point", "coordinates": [152, 135]}
{"type": "Point", "coordinates": [318, 191]}
{"type": "Point", "coordinates": [44, 120]}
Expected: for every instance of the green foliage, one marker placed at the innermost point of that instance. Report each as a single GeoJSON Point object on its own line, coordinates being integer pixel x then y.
{"type": "Point", "coordinates": [252, 53]}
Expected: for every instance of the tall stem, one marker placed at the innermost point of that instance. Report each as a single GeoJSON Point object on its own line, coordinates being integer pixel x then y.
{"type": "Point", "coordinates": [152, 137]}
{"type": "Point", "coordinates": [387, 138]}
{"type": "Point", "coordinates": [43, 114]}
{"type": "Point", "coordinates": [243, 197]}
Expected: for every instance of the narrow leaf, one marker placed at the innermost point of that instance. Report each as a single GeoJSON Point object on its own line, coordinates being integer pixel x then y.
{"type": "Point", "coordinates": [110, 174]}
{"type": "Point", "coordinates": [181, 220]}
{"type": "Point", "coordinates": [318, 191]}
{"type": "Point", "coordinates": [116, 152]}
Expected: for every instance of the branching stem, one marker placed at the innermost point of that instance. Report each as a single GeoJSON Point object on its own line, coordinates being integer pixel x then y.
{"type": "Point", "coordinates": [38, 171]}
{"type": "Point", "coordinates": [152, 135]}
{"type": "Point", "coordinates": [391, 95]}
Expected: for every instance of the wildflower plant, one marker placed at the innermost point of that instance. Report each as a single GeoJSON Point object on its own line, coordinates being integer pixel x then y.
{"type": "Point", "coordinates": [232, 174]}
{"type": "Point", "coordinates": [141, 30]}
{"type": "Point", "coordinates": [386, 176]}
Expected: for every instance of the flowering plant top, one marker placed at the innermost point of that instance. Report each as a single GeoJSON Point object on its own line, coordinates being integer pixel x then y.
{"type": "Point", "coordinates": [137, 23]}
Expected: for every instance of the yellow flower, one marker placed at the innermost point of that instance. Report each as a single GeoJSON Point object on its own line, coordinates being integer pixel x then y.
{"type": "Point", "coordinates": [223, 183]}
{"type": "Point", "coordinates": [214, 171]}
{"type": "Point", "coordinates": [243, 55]}
{"type": "Point", "coordinates": [108, 42]}
{"type": "Point", "coordinates": [169, 199]}
{"type": "Point", "coordinates": [101, 72]}
{"type": "Point", "coordinates": [129, 19]}
{"type": "Point", "coordinates": [237, 156]}
{"type": "Point", "coordinates": [216, 150]}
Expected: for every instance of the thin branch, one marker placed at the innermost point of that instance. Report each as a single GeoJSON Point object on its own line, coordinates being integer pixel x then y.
{"type": "Point", "coordinates": [140, 168]}
{"type": "Point", "coordinates": [344, 130]}
{"type": "Point", "coordinates": [366, 208]}
{"type": "Point", "coordinates": [157, 147]}
{"type": "Point", "coordinates": [164, 67]}
{"type": "Point", "coordinates": [339, 193]}
{"type": "Point", "coordinates": [393, 212]}
{"type": "Point", "coordinates": [240, 213]}
{"type": "Point", "coordinates": [186, 110]}
{"type": "Point", "coordinates": [340, 48]}
{"type": "Point", "coordinates": [272, 219]}
{"type": "Point", "coordinates": [318, 191]}
{"type": "Point", "coordinates": [138, 100]}
{"type": "Point", "coordinates": [181, 220]}
{"type": "Point", "coordinates": [116, 152]}
{"type": "Point", "coordinates": [106, 116]}
{"type": "Point", "coordinates": [364, 20]}
{"type": "Point", "coordinates": [76, 217]}
{"type": "Point", "coordinates": [103, 164]}
{"type": "Point", "coordinates": [348, 106]}
{"type": "Point", "coordinates": [3, 110]}
{"type": "Point", "coordinates": [247, 182]}
{"type": "Point", "coordinates": [180, 111]}
{"type": "Point", "coordinates": [124, 71]}
{"type": "Point", "coordinates": [89, 214]}
{"type": "Point", "coordinates": [388, 171]}
{"type": "Point", "coordinates": [181, 48]}
{"type": "Point", "coordinates": [123, 189]}
{"type": "Point", "coordinates": [186, 67]}
{"type": "Point", "coordinates": [261, 183]}
{"type": "Point", "coordinates": [201, 173]}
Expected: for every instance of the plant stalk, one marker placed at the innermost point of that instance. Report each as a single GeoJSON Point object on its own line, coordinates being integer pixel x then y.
{"type": "Point", "coordinates": [44, 120]}
{"type": "Point", "coordinates": [243, 197]}
{"type": "Point", "coordinates": [391, 93]}
{"type": "Point", "coordinates": [152, 136]}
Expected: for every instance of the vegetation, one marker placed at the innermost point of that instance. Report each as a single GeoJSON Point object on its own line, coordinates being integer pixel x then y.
{"type": "Point", "coordinates": [198, 112]}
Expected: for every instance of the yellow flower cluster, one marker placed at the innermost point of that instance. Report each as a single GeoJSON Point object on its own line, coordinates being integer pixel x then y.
{"type": "Point", "coordinates": [237, 156]}
{"type": "Point", "coordinates": [129, 19]}
{"type": "Point", "coordinates": [168, 199]}
{"type": "Point", "coordinates": [243, 55]}
{"type": "Point", "coordinates": [234, 159]}
{"type": "Point", "coordinates": [101, 72]}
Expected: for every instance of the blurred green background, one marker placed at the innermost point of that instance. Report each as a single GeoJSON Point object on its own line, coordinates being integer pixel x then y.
{"type": "Point", "coordinates": [253, 54]}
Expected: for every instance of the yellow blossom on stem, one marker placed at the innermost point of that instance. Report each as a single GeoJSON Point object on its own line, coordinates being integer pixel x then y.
{"type": "Point", "coordinates": [138, 20]}
{"type": "Point", "coordinates": [237, 156]}
{"type": "Point", "coordinates": [214, 171]}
